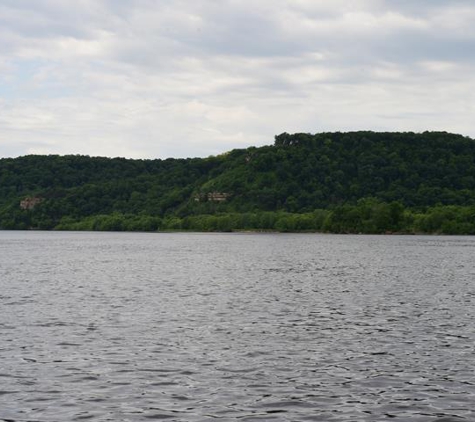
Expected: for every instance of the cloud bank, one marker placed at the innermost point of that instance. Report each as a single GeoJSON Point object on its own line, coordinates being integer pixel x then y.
{"type": "Point", "coordinates": [175, 78]}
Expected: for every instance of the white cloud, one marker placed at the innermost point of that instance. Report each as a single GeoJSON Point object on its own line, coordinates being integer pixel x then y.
{"type": "Point", "coordinates": [354, 22]}
{"type": "Point", "coordinates": [152, 78]}
{"type": "Point", "coordinates": [456, 21]}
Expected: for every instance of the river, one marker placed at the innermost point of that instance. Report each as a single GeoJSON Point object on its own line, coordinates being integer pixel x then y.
{"type": "Point", "coordinates": [245, 327]}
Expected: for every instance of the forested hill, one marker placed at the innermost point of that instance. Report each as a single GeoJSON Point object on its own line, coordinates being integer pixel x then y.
{"type": "Point", "coordinates": [346, 181]}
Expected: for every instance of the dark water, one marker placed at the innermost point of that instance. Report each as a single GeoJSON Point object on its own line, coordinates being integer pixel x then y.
{"type": "Point", "coordinates": [248, 327]}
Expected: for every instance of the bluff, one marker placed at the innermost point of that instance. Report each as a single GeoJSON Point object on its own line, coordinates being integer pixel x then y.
{"type": "Point", "coordinates": [330, 177]}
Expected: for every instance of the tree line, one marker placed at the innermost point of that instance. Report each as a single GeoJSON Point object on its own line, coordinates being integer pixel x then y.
{"type": "Point", "coordinates": [368, 217]}
{"type": "Point", "coordinates": [355, 182]}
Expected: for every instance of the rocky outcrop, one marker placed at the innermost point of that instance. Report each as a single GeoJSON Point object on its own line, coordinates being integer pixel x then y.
{"type": "Point", "coordinates": [30, 202]}
{"type": "Point", "coordinates": [212, 196]}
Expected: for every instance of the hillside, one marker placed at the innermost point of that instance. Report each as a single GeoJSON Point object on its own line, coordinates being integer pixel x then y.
{"type": "Point", "coordinates": [341, 182]}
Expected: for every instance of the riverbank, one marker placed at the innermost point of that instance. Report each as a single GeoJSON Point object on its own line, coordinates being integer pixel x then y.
{"type": "Point", "coordinates": [363, 218]}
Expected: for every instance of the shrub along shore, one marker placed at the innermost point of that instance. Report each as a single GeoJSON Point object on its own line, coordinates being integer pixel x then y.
{"type": "Point", "coordinates": [368, 218]}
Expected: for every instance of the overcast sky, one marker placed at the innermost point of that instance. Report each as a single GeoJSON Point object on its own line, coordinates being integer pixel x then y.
{"type": "Point", "coordinates": [186, 78]}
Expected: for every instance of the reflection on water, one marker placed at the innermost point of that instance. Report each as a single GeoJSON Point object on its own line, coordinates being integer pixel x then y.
{"type": "Point", "coordinates": [249, 327]}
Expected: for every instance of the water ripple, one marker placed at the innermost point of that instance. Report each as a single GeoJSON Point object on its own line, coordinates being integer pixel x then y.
{"type": "Point", "coordinates": [138, 327]}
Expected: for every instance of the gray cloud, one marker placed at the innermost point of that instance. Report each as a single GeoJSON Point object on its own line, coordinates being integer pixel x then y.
{"type": "Point", "coordinates": [155, 78]}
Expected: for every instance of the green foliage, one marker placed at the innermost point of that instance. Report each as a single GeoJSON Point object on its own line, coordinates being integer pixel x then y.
{"type": "Point", "coordinates": [446, 220]}
{"type": "Point", "coordinates": [111, 222]}
{"type": "Point", "coordinates": [356, 182]}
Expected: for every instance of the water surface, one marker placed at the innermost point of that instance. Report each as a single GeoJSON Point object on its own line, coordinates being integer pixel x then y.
{"type": "Point", "coordinates": [248, 327]}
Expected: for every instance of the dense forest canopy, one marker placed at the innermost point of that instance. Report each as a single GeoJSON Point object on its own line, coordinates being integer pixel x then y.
{"type": "Point", "coordinates": [341, 182]}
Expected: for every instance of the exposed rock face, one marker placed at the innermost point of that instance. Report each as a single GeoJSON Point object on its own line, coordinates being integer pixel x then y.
{"type": "Point", "coordinates": [217, 196]}
{"type": "Point", "coordinates": [212, 196]}
{"type": "Point", "coordinates": [30, 202]}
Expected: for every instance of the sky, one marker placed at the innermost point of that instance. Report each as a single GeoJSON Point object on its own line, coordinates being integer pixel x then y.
{"type": "Point", "coordinates": [194, 78]}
